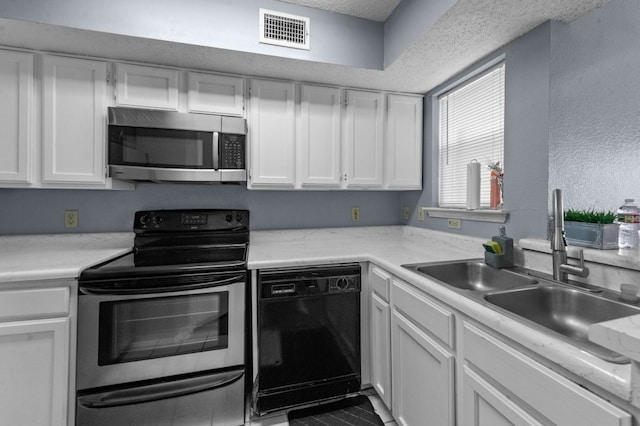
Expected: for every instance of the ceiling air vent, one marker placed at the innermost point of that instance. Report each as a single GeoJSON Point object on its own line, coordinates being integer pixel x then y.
{"type": "Point", "coordinates": [283, 29]}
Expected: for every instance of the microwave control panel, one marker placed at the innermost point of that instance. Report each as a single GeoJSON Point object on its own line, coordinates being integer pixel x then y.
{"type": "Point", "coordinates": [232, 151]}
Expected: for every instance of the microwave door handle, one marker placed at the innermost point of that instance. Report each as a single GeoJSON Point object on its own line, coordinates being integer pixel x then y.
{"type": "Point", "coordinates": [216, 150]}
{"type": "Point", "coordinates": [160, 391]}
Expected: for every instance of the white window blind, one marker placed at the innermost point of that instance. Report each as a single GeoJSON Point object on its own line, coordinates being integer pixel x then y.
{"type": "Point", "coordinates": [471, 127]}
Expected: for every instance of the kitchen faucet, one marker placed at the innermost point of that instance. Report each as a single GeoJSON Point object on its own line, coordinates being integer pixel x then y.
{"type": "Point", "coordinates": [562, 269]}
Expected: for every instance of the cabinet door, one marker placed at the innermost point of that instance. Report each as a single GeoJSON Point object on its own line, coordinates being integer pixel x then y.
{"type": "Point", "coordinates": [73, 120]}
{"type": "Point", "coordinates": [381, 348]}
{"type": "Point", "coordinates": [16, 92]}
{"type": "Point", "coordinates": [403, 167]}
{"type": "Point", "coordinates": [553, 396]}
{"type": "Point", "coordinates": [422, 376]}
{"type": "Point", "coordinates": [34, 366]}
{"type": "Point", "coordinates": [320, 136]}
{"type": "Point", "coordinates": [364, 139]}
{"type": "Point", "coordinates": [146, 87]}
{"type": "Point", "coordinates": [484, 405]}
{"type": "Point", "coordinates": [272, 133]}
{"type": "Point", "coordinates": [218, 94]}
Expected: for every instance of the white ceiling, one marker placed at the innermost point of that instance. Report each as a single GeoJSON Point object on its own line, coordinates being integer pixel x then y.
{"type": "Point", "coordinates": [373, 10]}
{"type": "Point", "coordinates": [467, 32]}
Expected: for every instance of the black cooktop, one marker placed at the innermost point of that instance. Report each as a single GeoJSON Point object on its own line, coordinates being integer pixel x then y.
{"type": "Point", "coordinates": [174, 242]}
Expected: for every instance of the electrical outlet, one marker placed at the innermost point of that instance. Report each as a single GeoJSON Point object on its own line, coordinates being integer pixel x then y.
{"type": "Point", "coordinates": [405, 213]}
{"type": "Point", "coordinates": [71, 218]}
{"type": "Point", "coordinates": [421, 214]}
{"type": "Point", "coordinates": [355, 213]}
{"type": "Point", "coordinates": [454, 223]}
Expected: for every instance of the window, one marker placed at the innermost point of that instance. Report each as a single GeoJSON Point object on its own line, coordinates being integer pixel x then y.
{"type": "Point", "coordinates": [471, 128]}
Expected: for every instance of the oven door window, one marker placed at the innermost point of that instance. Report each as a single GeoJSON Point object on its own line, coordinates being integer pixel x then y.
{"type": "Point", "coordinates": [131, 146]}
{"type": "Point", "coordinates": [133, 330]}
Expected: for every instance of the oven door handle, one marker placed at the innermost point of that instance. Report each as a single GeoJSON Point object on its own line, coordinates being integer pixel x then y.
{"type": "Point", "coordinates": [160, 391]}
{"type": "Point", "coordinates": [102, 289]}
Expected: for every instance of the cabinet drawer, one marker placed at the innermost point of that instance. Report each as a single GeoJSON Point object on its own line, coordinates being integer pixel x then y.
{"type": "Point", "coordinates": [422, 311]}
{"type": "Point", "coordinates": [555, 397]}
{"type": "Point", "coordinates": [44, 302]}
{"type": "Point", "coordinates": [380, 282]}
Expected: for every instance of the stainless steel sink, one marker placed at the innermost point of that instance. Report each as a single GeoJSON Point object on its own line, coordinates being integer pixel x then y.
{"type": "Point", "coordinates": [474, 275]}
{"type": "Point", "coordinates": [564, 311]}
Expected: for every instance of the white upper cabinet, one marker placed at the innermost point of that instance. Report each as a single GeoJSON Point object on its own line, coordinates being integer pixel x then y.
{"type": "Point", "coordinates": [16, 93]}
{"type": "Point", "coordinates": [73, 120]}
{"type": "Point", "coordinates": [319, 136]}
{"type": "Point", "coordinates": [364, 139]}
{"type": "Point", "coordinates": [272, 134]}
{"type": "Point", "coordinates": [217, 94]}
{"type": "Point", "coordinates": [147, 87]}
{"type": "Point", "coordinates": [403, 143]}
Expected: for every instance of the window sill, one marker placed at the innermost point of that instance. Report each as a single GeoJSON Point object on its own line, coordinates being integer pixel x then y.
{"type": "Point", "coordinates": [496, 216]}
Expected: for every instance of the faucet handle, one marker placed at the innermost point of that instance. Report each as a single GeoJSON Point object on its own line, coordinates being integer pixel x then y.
{"type": "Point", "coordinates": [579, 270]}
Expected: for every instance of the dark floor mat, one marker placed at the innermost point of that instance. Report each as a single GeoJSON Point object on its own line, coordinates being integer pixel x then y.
{"type": "Point", "coordinates": [356, 411]}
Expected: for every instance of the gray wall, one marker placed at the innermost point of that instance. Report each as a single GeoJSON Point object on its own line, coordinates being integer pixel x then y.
{"type": "Point", "coordinates": [594, 154]}
{"type": "Point", "coordinates": [225, 24]}
{"type": "Point", "coordinates": [526, 142]}
{"type": "Point", "coordinates": [571, 121]}
{"type": "Point", "coordinates": [25, 211]}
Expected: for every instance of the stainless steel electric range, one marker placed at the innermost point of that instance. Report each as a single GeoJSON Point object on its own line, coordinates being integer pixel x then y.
{"type": "Point", "coordinates": [161, 330]}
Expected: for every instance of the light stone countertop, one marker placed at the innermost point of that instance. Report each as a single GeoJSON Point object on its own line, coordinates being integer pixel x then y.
{"type": "Point", "coordinates": [391, 247]}
{"type": "Point", "coordinates": [628, 259]}
{"type": "Point", "coordinates": [54, 256]}
{"type": "Point", "coordinates": [36, 257]}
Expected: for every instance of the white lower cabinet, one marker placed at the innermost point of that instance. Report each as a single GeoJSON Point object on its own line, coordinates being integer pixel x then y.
{"type": "Point", "coordinates": [422, 363]}
{"type": "Point", "coordinates": [433, 370]}
{"type": "Point", "coordinates": [504, 386]}
{"type": "Point", "coordinates": [484, 405]}
{"type": "Point", "coordinates": [380, 333]}
{"type": "Point", "coordinates": [35, 335]}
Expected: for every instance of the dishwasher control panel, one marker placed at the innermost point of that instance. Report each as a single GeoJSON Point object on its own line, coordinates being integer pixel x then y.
{"type": "Point", "coordinates": [296, 282]}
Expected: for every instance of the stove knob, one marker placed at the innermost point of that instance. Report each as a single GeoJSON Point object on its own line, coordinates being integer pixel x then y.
{"type": "Point", "coordinates": [144, 219]}
{"type": "Point", "coordinates": [158, 219]}
{"type": "Point", "coordinates": [228, 217]}
{"type": "Point", "coordinates": [239, 218]}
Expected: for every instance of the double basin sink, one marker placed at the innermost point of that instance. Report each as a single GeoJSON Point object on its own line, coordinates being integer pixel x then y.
{"type": "Point", "coordinates": [555, 308]}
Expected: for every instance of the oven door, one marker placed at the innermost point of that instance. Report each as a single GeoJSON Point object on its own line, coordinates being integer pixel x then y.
{"type": "Point", "coordinates": [131, 337]}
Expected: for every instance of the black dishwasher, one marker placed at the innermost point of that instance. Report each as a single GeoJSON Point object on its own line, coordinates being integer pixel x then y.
{"type": "Point", "coordinates": [308, 335]}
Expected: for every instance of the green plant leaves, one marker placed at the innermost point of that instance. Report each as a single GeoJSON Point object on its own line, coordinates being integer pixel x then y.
{"type": "Point", "coordinates": [589, 216]}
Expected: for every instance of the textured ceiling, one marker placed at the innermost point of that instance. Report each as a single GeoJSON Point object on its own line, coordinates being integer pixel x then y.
{"type": "Point", "coordinates": [373, 10]}
{"type": "Point", "coordinates": [467, 32]}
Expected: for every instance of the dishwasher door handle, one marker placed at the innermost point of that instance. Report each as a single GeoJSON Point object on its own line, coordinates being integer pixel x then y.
{"type": "Point", "coordinates": [160, 391]}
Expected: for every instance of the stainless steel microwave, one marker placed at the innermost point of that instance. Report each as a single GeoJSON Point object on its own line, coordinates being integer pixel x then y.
{"type": "Point", "coordinates": [167, 146]}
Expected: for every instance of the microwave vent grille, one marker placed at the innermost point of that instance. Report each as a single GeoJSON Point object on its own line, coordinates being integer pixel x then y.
{"type": "Point", "coordinates": [282, 29]}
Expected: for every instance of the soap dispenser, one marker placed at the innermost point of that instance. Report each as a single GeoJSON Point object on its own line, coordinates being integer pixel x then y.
{"type": "Point", "coordinates": [505, 258]}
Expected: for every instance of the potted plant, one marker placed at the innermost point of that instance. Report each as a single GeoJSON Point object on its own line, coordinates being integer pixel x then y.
{"type": "Point", "coordinates": [591, 228]}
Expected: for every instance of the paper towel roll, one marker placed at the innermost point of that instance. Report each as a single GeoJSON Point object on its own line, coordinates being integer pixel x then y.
{"type": "Point", "coordinates": [473, 185]}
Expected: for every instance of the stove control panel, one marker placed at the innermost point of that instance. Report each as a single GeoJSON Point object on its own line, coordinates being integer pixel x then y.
{"type": "Point", "coordinates": [190, 220]}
